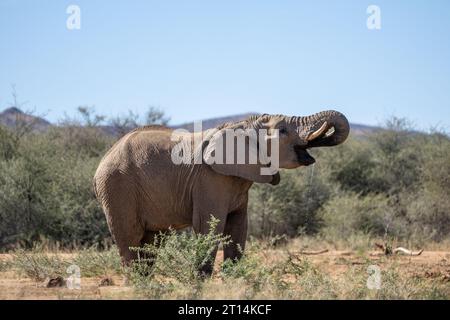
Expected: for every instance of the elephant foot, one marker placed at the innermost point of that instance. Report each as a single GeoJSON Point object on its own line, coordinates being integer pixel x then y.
{"type": "Point", "coordinates": [206, 271]}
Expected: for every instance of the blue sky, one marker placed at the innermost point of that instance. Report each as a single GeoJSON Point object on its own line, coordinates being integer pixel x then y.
{"type": "Point", "coordinates": [201, 59]}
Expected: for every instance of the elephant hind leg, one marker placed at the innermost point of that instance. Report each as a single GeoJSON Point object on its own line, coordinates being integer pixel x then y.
{"type": "Point", "coordinates": [119, 206]}
{"type": "Point", "coordinates": [126, 254]}
{"type": "Point", "coordinates": [127, 236]}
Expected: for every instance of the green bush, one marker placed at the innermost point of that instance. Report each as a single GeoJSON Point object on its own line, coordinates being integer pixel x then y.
{"type": "Point", "coordinates": [173, 261]}
{"type": "Point", "coordinates": [289, 208]}
{"type": "Point", "coordinates": [45, 192]}
{"type": "Point", "coordinates": [94, 262]}
{"type": "Point", "coordinates": [38, 264]}
{"type": "Point", "coordinates": [350, 167]}
{"type": "Point", "coordinates": [23, 199]}
{"type": "Point", "coordinates": [348, 214]}
{"type": "Point", "coordinates": [8, 144]}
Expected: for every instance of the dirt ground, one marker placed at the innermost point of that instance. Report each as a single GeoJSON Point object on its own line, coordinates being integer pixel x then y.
{"type": "Point", "coordinates": [433, 265]}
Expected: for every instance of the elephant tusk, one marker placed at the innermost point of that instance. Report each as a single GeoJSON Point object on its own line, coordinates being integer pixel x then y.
{"type": "Point", "coordinates": [314, 135]}
{"type": "Point", "coordinates": [330, 132]}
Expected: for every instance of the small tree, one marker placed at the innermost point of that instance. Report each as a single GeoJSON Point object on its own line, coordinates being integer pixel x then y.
{"type": "Point", "coordinates": [156, 116]}
{"type": "Point", "coordinates": [122, 124]}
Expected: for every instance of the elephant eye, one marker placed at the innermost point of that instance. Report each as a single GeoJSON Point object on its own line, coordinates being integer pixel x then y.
{"type": "Point", "coordinates": [283, 131]}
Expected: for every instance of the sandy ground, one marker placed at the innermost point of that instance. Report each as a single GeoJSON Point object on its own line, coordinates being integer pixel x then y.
{"type": "Point", "coordinates": [430, 264]}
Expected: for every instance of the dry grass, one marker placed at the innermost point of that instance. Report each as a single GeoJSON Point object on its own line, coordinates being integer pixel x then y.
{"type": "Point", "coordinates": [266, 272]}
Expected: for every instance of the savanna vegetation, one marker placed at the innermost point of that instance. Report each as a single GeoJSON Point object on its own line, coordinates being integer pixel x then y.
{"type": "Point", "coordinates": [392, 185]}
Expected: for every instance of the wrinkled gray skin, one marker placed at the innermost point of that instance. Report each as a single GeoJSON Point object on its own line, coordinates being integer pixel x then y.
{"type": "Point", "coordinates": [143, 192]}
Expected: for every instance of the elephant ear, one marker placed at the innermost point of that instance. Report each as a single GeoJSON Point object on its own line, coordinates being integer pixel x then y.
{"type": "Point", "coordinates": [227, 161]}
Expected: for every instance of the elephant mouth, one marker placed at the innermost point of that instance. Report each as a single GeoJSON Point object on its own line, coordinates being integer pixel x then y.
{"type": "Point", "coordinates": [303, 157]}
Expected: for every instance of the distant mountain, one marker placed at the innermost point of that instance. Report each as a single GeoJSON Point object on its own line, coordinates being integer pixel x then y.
{"type": "Point", "coordinates": [13, 116]}
{"type": "Point", "coordinates": [362, 129]}
{"type": "Point", "coordinates": [214, 122]}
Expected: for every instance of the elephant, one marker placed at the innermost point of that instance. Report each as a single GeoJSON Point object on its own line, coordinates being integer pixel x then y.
{"type": "Point", "coordinates": [143, 192]}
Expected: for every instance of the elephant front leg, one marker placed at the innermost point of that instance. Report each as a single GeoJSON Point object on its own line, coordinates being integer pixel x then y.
{"type": "Point", "coordinates": [236, 228]}
{"type": "Point", "coordinates": [201, 224]}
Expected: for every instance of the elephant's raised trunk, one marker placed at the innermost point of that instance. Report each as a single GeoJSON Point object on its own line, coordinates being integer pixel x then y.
{"type": "Point", "coordinates": [323, 129]}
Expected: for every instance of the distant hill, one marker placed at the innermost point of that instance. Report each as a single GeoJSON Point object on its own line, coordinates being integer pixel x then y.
{"type": "Point", "coordinates": [214, 122]}
{"type": "Point", "coordinates": [361, 129]}
{"type": "Point", "coordinates": [12, 116]}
